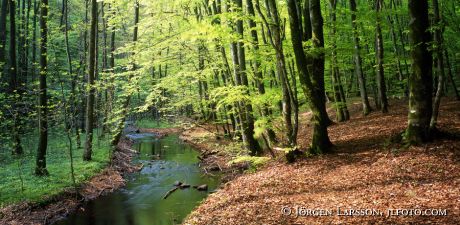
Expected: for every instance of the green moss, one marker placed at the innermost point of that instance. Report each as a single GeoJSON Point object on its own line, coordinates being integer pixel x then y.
{"type": "Point", "coordinates": [254, 161]}
{"type": "Point", "coordinates": [19, 184]}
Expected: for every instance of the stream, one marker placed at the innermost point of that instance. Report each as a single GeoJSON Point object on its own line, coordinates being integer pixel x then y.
{"type": "Point", "coordinates": [166, 160]}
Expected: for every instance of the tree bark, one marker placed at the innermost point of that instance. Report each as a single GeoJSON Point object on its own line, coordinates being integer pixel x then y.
{"type": "Point", "coordinates": [246, 113]}
{"type": "Point", "coordinates": [420, 80]}
{"type": "Point", "coordinates": [451, 77]}
{"type": "Point", "coordinates": [14, 83]}
{"type": "Point", "coordinates": [438, 50]}
{"type": "Point", "coordinates": [358, 60]}
{"type": "Point", "coordinates": [342, 113]}
{"type": "Point", "coordinates": [89, 124]}
{"type": "Point", "coordinates": [318, 60]}
{"type": "Point", "coordinates": [3, 13]}
{"type": "Point", "coordinates": [256, 67]}
{"type": "Point", "coordinates": [275, 39]}
{"type": "Point", "coordinates": [40, 169]}
{"type": "Point", "coordinates": [381, 87]}
{"type": "Point", "coordinates": [127, 100]}
{"type": "Point", "coordinates": [320, 142]}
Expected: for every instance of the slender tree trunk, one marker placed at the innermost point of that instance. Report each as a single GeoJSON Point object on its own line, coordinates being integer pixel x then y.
{"type": "Point", "coordinates": [339, 95]}
{"type": "Point", "coordinates": [111, 88]}
{"type": "Point", "coordinates": [420, 80]}
{"type": "Point", "coordinates": [127, 100]}
{"type": "Point", "coordinates": [13, 68]}
{"type": "Point", "coordinates": [27, 42]}
{"type": "Point", "coordinates": [451, 77]}
{"type": "Point", "coordinates": [245, 108]}
{"type": "Point", "coordinates": [89, 124]}
{"type": "Point", "coordinates": [358, 60]}
{"type": "Point", "coordinates": [34, 41]}
{"type": "Point", "coordinates": [40, 169]}
{"type": "Point", "coordinates": [257, 72]}
{"type": "Point", "coordinates": [396, 52]}
{"type": "Point", "coordinates": [381, 88]}
{"type": "Point", "coordinates": [275, 39]}
{"type": "Point", "coordinates": [3, 13]}
{"type": "Point", "coordinates": [438, 50]}
{"type": "Point", "coordinates": [14, 82]}
{"type": "Point", "coordinates": [403, 46]}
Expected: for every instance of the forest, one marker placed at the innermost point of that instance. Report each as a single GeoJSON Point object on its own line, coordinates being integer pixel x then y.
{"type": "Point", "coordinates": [275, 106]}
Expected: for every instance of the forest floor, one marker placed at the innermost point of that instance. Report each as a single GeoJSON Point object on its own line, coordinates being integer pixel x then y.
{"type": "Point", "coordinates": [58, 206]}
{"type": "Point", "coordinates": [365, 171]}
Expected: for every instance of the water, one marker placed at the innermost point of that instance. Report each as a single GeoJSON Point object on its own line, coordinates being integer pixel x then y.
{"type": "Point", "coordinates": [141, 202]}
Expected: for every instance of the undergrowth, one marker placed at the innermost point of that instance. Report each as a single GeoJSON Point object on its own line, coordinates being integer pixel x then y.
{"type": "Point", "coordinates": [18, 182]}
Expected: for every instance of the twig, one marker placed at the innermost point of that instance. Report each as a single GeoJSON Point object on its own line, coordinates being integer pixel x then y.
{"type": "Point", "coordinates": [170, 192]}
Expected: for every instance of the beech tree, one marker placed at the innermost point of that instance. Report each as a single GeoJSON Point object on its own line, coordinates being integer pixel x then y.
{"type": "Point", "coordinates": [320, 142]}
{"type": "Point", "coordinates": [358, 60]}
{"type": "Point", "coordinates": [421, 78]}
{"type": "Point", "coordinates": [89, 124]}
{"type": "Point", "coordinates": [40, 169]}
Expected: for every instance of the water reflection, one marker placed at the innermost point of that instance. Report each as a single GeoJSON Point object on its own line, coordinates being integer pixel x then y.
{"type": "Point", "coordinates": [141, 201]}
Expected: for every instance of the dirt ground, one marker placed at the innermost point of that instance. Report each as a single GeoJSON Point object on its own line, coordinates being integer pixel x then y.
{"type": "Point", "coordinates": [366, 171]}
{"type": "Point", "coordinates": [57, 207]}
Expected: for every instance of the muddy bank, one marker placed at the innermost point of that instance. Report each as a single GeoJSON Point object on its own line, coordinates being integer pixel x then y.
{"type": "Point", "coordinates": [161, 132]}
{"type": "Point", "coordinates": [56, 207]}
{"type": "Point", "coordinates": [213, 156]}
{"type": "Point", "coordinates": [214, 153]}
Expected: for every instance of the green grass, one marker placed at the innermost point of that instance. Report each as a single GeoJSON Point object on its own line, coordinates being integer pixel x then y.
{"type": "Point", "coordinates": [35, 189]}
{"type": "Point", "coordinates": [151, 123]}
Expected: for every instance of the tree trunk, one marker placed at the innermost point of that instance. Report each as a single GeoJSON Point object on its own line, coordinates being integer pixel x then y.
{"type": "Point", "coordinates": [14, 83]}
{"type": "Point", "coordinates": [3, 13]}
{"type": "Point", "coordinates": [275, 38]}
{"type": "Point", "coordinates": [318, 60]}
{"type": "Point", "coordinates": [381, 88]}
{"type": "Point", "coordinates": [342, 113]}
{"type": "Point", "coordinates": [127, 100]}
{"type": "Point", "coordinates": [420, 80]}
{"type": "Point", "coordinates": [320, 142]}
{"type": "Point", "coordinates": [451, 77]}
{"type": "Point", "coordinates": [438, 50]}
{"type": "Point", "coordinates": [257, 73]}
{"type": "Point", "coordinates": [34, 41]}
{"type": "Point", "coordinates": [89, 124]}
{"type": "Point", "coordinates": [358, 60]}
{"type": "Point", "coordinates": [40, 169]}
{"type": "Point", "coordinates": [245, 108]}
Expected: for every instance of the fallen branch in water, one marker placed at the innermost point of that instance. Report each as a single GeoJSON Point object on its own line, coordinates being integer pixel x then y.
{"type": "Point", "coordinates": [170, 192]}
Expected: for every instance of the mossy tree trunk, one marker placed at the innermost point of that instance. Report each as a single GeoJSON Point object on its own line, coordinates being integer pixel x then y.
{"type": "Point", "coordinates": [320, 141]}
{"type": "Point", "coordinates": [420, 79]}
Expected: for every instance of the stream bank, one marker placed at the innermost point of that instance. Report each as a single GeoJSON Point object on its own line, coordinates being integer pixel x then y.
{"type": "Point", "coordinates": [169, 186]}
{"type": "Point", "coordinates": [56, 207]}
